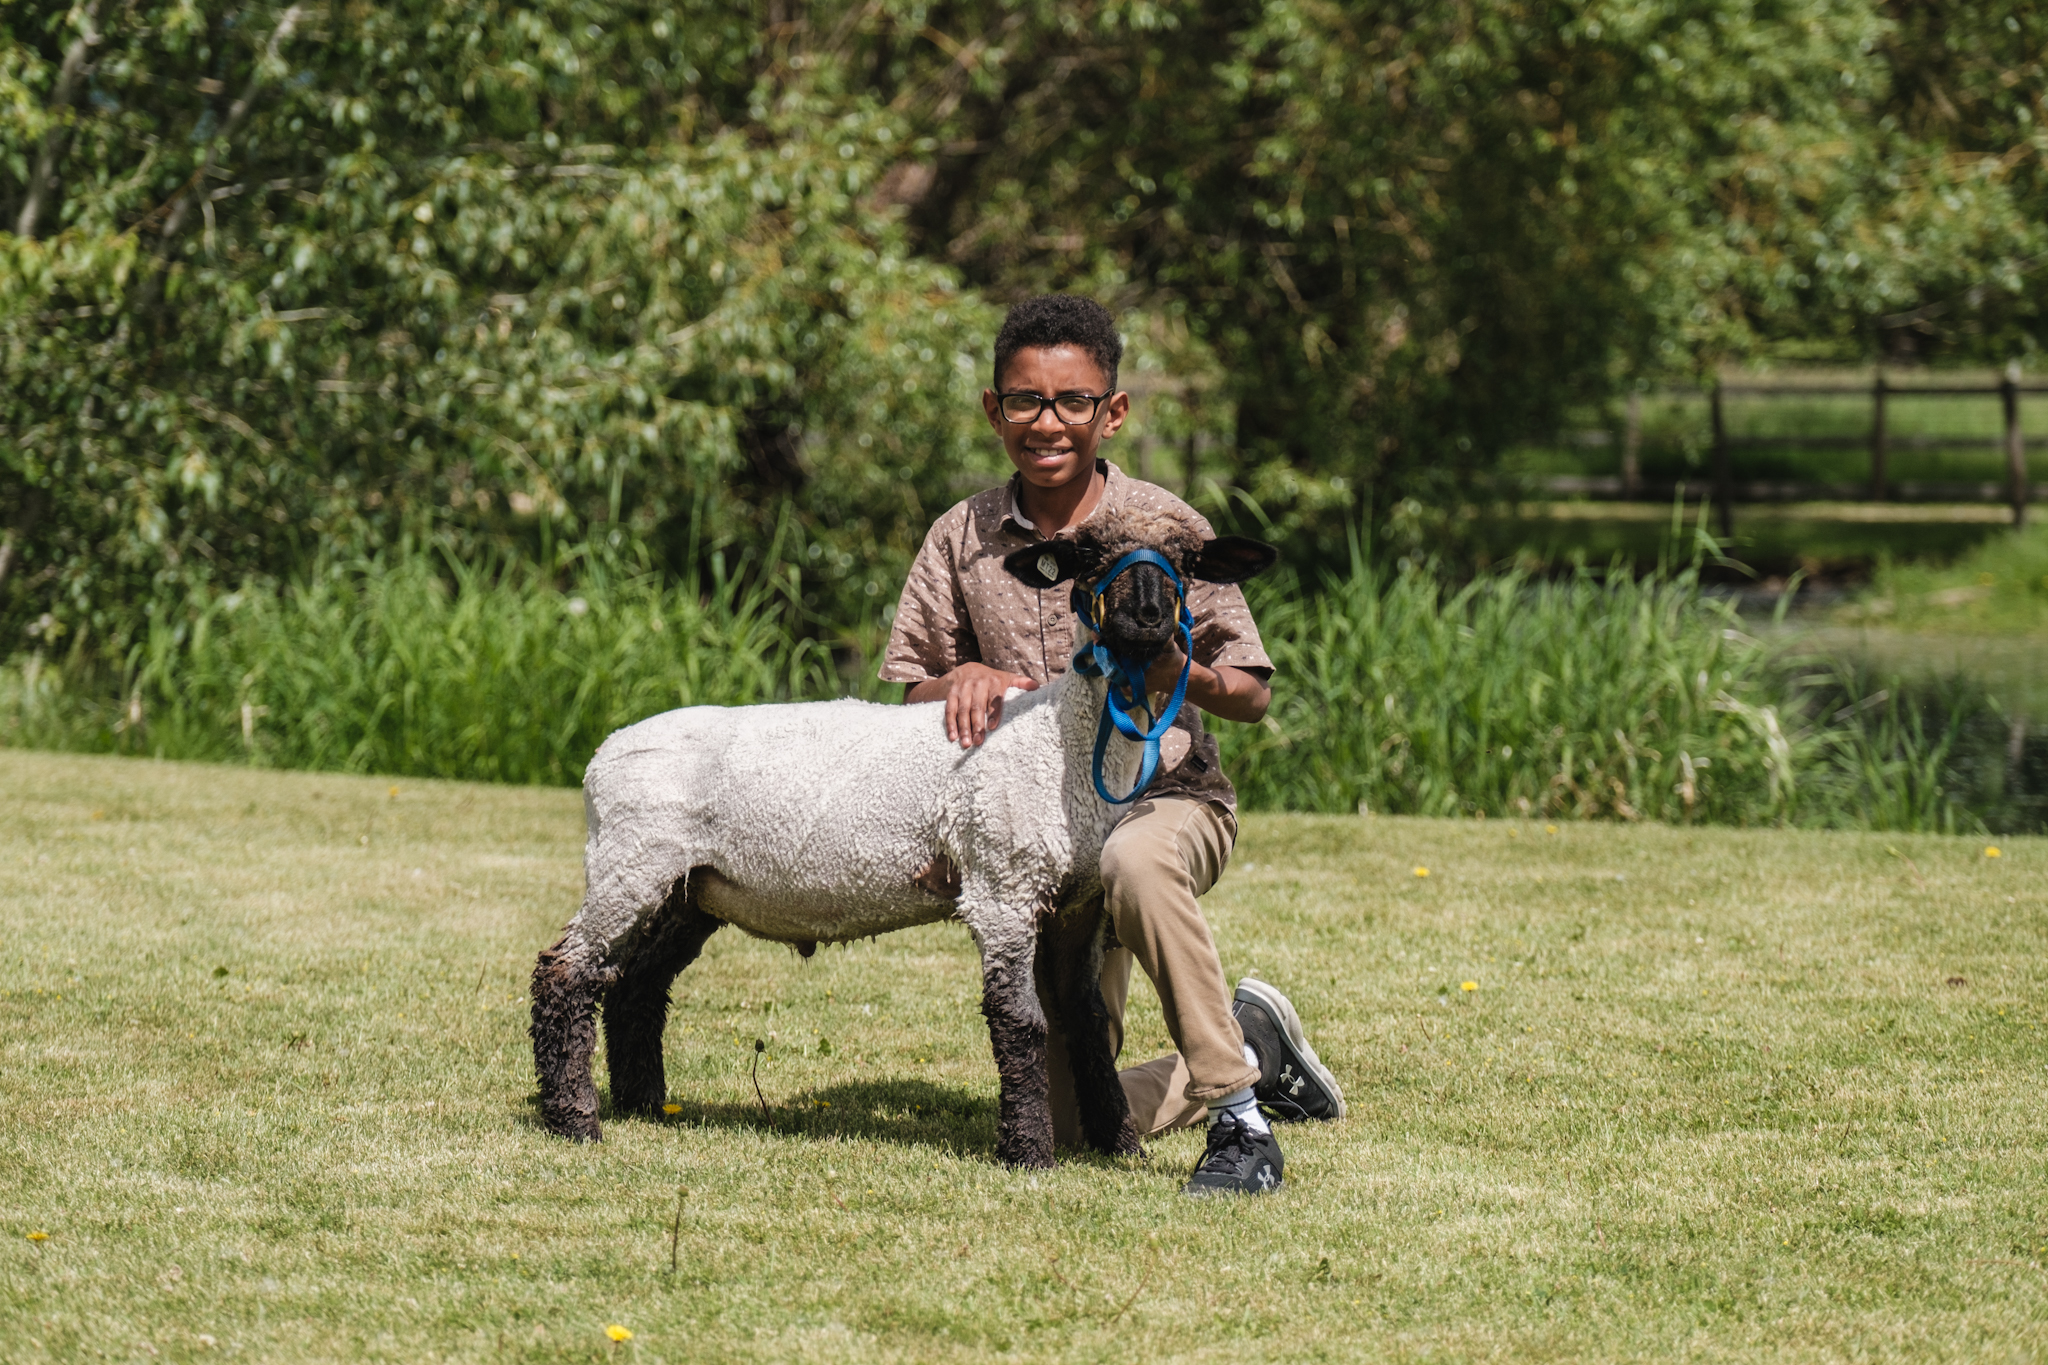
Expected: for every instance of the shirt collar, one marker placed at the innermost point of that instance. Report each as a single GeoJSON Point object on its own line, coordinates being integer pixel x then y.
{"type": "Point", "coordinates": [1111, 478]}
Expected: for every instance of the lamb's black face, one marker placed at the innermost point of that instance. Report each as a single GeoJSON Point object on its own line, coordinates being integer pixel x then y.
{"type": "Point", "coordinates": [1138, 613]}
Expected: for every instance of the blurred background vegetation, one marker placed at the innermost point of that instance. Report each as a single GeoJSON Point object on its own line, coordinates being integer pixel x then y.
{"type": "Point", "coordinates": [347, 346]}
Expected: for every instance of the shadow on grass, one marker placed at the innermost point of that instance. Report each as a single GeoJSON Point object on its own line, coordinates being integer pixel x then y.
{"type": "Point", "coordinates": [907, 1113]}
{"type": "Point", "coordinates": [910, 1112]}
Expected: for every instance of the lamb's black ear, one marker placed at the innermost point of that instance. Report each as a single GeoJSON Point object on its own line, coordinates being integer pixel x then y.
{"type": "Point", "coordinates": [1045, 564]}
{"type": "Point", "coordinates": [1232, 559]}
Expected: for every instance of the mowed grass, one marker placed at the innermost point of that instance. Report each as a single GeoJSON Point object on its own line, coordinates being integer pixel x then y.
{"type": "Point", "coordinates": [266, 1093]}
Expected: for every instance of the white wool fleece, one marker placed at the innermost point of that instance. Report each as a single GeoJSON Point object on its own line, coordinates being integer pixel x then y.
{"type": "Point", "coordinates": [818, 817]}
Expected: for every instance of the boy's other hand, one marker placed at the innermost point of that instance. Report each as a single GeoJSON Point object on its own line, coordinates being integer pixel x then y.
{"type": "Point", "coordinates": [1164, 674]}
{"type": "Point", "coordinates": [973, 694]}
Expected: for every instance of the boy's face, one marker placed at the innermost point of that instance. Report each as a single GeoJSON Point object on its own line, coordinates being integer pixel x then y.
{"type": "Point", "coordinates": [1048, 452]}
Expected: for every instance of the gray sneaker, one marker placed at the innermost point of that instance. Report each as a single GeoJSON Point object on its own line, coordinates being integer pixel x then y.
{"type": "Point", "coordinates": [1293, 1082]}
{"type": "Point", "coordinates": [1238, 1161]}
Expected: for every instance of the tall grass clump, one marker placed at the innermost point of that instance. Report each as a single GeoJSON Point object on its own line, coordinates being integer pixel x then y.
{"type": "Point", "coordinates": [423, 666]}
{"type": "Point", "coordinates": [1581, 697]}
{"type": "Point", "coordinates": [1591, 696]}
{"type": "Point", "coordinates": [1935, 753]}
{"type": "Point", "coordinates": [1510, 695]}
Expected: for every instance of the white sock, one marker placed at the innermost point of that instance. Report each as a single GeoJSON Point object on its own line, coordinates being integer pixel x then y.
{"type": "Point", "coordinates": [1240, 1104]}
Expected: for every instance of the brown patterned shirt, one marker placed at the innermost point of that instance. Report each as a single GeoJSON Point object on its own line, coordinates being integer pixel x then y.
{"type": "Point", "coordinates": [960, 606]}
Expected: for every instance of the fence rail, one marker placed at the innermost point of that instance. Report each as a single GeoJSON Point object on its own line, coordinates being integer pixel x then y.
{"type": "Point", "coordinates": [1782, 490]}
{"type": "Point", "coordinates": [2015, 490]}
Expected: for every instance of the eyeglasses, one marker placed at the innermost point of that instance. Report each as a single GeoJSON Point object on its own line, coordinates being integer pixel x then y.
{"type": "Point", "coordinates": [1075, 409]}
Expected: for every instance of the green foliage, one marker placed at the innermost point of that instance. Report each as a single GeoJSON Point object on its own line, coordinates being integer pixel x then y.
{"type": "Point", "coordinates": [537, 277]}
{"type": "Point", "coordinates": [1894, 764]}
{"type": "Point", "coordinates": [506, 277]}
{"type": "Point", "coordinates": [1591, 696]}
{"type": "Point", "coordinates": [1415, 232]}
{"type": "Point", "coordinates": [1581, 699]}
{"type": "Point", "coordinates": [2000, 587]}
{"type": "Point", "coordinates": [1626, 697]}
{"type": "Point", "coordinates": [386, 668]}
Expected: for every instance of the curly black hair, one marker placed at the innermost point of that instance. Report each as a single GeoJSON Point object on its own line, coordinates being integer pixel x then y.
{"type": "Point", "coordinates": [1061, 320]}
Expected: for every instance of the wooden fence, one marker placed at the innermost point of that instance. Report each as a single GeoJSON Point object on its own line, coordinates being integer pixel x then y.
{"type": "Point", "coordinates": [1154, 459]}
{"type": "Point", "coordinates": [2014, 489]}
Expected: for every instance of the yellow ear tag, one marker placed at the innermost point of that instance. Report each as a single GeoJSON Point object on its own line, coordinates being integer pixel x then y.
{"type": "Point", "coordinates": [1049, 567]}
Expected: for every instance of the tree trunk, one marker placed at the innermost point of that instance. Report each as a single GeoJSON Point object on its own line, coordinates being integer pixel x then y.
{"type": "Point", "coordinates": [42, 185]}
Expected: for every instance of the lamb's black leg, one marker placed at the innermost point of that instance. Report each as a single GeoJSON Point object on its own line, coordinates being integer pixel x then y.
{"type": "Point", "coordinates": [564, 1033]}
{"type": "Point", "coordinates": [1070, 962]}
{"type": "Point", "coordinates": [1016, 1030]}
{"type": "Point", "coordinates": [636, 1005]}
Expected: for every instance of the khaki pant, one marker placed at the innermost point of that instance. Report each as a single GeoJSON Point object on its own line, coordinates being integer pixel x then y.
{"type": "Point", "coordinates": [1158, 860]}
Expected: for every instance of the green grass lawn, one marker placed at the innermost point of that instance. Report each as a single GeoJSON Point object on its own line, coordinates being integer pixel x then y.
{"type": "Point", "coordinates": [1716, 1094]}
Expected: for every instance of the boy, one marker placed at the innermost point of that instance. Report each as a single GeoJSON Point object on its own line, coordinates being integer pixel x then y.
{"type": "Point", "coordinates": [965, 632]}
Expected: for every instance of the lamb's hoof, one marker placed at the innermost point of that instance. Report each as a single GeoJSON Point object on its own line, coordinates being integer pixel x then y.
{"type": "Point", "coordinates": [1026, 1156]}
{"type": "Point", "coordinates": [642, 1108]}
{"type": "Point", "coordinates": [1125, 1143]}
{"type": "Point", "coordinates": [577, 1127]}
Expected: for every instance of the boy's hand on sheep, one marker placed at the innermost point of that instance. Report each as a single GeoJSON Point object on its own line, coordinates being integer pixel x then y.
{"type": "Point", "coordinates": [974, 701]}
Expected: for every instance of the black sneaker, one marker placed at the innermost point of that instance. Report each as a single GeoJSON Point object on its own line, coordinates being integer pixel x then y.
{"type": "Point", "coordinates": [1238, 1161]}
{"type": "Point", "coordinates": [1293, 1082]}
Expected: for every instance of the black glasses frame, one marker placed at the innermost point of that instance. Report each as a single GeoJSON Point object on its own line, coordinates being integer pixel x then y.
{"type": "Point", "coordinates": [1043, 403]}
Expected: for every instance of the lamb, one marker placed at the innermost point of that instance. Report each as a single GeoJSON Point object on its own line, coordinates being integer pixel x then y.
{"type": "Point", "coordinates": [831, 821]}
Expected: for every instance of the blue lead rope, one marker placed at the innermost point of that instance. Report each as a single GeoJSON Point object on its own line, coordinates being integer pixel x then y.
{"type": "Point", "coordinates": [1095, 661]}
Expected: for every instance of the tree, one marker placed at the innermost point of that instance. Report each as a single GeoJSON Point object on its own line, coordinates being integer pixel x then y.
{"type": "Point", "coordinates": [306, 281]}
{"type": "Point", "coordinates": [671, 280]}
{"type": "Point", "coordinates": [1416, 232]}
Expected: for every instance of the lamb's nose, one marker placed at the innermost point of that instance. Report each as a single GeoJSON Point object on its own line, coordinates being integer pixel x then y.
{"type": "Point", "coordinates": [1150, 613]}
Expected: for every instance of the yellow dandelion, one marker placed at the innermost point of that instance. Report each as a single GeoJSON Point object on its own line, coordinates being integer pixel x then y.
{"type": "Point", "coordinates": [1468, 985]}
{"type": "Point", "coordinates": [1422, 872]}
{"type": "Point", "coordinates": [618, 1333]}
{"type": "Point", "coordinates": [1992, 851]}
{"type": "Point", "coordinates": [1550, 829]}
{"type": "Point", "coordinates": [671, 1109]}
{"type": "Point", "coordinates": [39, 1236]}
{"type": "Point", "coordinates": [394, 793]}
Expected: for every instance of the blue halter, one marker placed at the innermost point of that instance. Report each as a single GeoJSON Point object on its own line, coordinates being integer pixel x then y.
{"type": "Point", "coordinates": [1095, 661]}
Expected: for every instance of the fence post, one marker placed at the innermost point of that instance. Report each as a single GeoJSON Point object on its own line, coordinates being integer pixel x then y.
{"type": "Point", "coordinates": [2015, 444]}
{"type": "Point", "coordinates": [1724, 481]}
{"type": "Point", "coordinates": [1631, 447]}
{"type": "Point", "coordinates": [1877, 439]}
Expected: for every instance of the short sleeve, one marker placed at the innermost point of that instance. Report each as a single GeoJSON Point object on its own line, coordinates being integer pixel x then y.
{"type": "Point", "coordinates": [932, 634]}
{"type": "Point", "coordinates": [1224, 631]}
